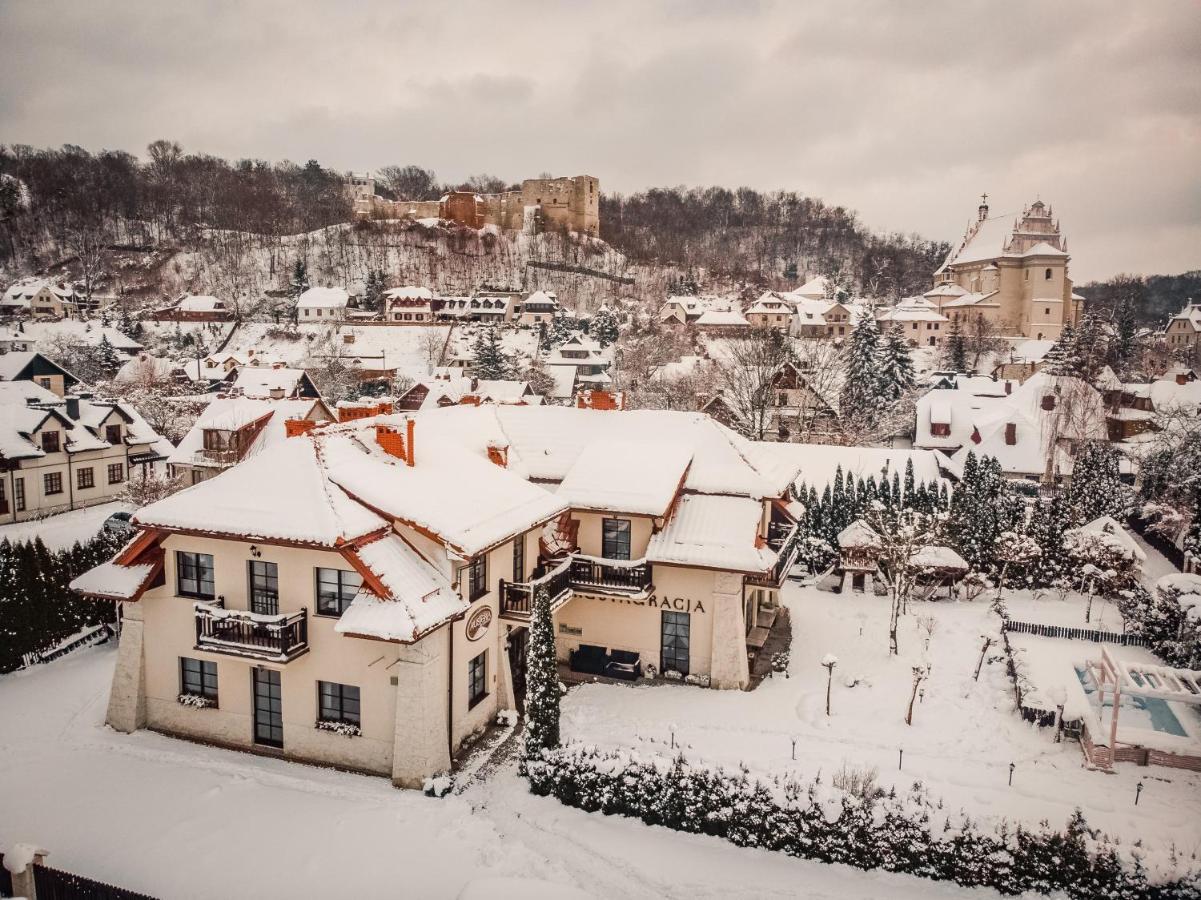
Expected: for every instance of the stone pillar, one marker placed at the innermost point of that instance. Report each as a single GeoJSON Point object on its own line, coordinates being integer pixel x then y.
{"type": "Point", "coordinates": [867, 583]}
{"type": "Point", "coordinates": [26, 857]}
{"type": "Point", "coordinates": [127, 697]}
{"type": "Point", "coordinates": [729, 670]}
{"type": "Point", "coordinates": [847, 583]}
{"type": "Point", "coordinates": [420, 746]}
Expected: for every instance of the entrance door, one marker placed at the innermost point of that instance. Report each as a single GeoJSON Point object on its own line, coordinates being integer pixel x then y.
{"type": "Point", "coordinates": [674, 652]}
{"type": "Point", "coordinates": [519, 640]}
{"type": "Point", "coordinates": [268, 708]}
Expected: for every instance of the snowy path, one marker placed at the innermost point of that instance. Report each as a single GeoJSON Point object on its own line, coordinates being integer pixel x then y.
{"type": "Point", "coordinates": [1156, 566]}
{"type": "Point", "coordinates": [179, 820]}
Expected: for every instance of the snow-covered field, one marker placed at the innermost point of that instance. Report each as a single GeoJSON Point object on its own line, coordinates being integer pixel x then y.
{"type": "Point", "coordinates": [963, 738]}
{"type": "Point", "coordinates": [61, 531]}
{"type": "Point", "coordinates": [181, 820]}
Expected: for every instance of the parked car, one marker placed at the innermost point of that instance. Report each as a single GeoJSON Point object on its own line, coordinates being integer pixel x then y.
{"type": "Point", "coordinates": [118, 523]}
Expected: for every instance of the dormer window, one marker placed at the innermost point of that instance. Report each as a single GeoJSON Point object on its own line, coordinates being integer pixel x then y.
{"type": "Point", "coordinates": [1048, 401]}
{"type": "Point", "coordinates": [50, 442]}
{"type": "Point", "coordinates": [112, 434]}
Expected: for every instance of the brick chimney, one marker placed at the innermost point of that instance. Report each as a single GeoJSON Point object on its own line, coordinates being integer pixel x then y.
{"type": "Point", "coordinates": [391, 441]}
{"type": "Point", "coordinates": [1182, 378]}
{"type": "Point", "coordinates": [297, 427]}
{"type": "Point", "coordinates": [1008, 387]}
{"type": "Point", "coordinates": [976, 436]}
{"type": "Point", "coordinates": [498, 454]}
{"type": "Point", "coordinates": [1011, 433]}
{"type": "Point", "coordinates": [410, 444]}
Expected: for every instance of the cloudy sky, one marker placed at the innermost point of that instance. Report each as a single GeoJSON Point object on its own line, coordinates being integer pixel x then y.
{"type": "Point", "coordinates": [902, 111]}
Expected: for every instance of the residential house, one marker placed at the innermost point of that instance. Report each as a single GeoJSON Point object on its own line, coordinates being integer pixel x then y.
{"type": "Point", "coordinates": [722, 321]}
{"type": "Point", "coordinates": [449, 390]}
{"type": "Point", "coordinates": [322, 304]}
{"type": "Point", "coordinates": [409, 305]}
{"type": "Point", "coordinates": [59, 454]}
{"type": "Point", "coordinates": [771, 310]}
{"type": "Point", "coordinates": [681, 310]}
{"type": "Point", "coordinates": [370, 607]}
{"type": "Point", "coordinates": [195, 308]}
{"type": "Point", "coordinates": [813, 289]}
{"type": "Point", "coordinates": [1023, 360]}
{"type": "Point", "coordinates": [231, 430]}
{"type": "Point", "coordinates": [40, 298]}
{"type": "Point", "coordinates": [589, 361]}
{"type": "Point", "coordinates": [33, 366]}
{"type": "Point", "coordinates": [1133, 408]}
{"type": "Point", "coordinates": [922, 325]}
{"type": "Point", "coordinates": [540, 307]}
{"type": "Point", "coordinates": [276, 382]}
{"type": "Point", "coordinates": [1183, 334]}
{"type": "Point", "coordinates": [493, 308]}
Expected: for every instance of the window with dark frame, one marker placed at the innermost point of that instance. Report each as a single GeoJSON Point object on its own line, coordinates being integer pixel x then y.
{"type": "Point", "coordinates": [477, 577]}
{"type": "Point", "coordinates": [50, 442]}
{"type": "Point", "coordinates": [116, 473]}
{"type": "Point", "coordinates": [264, 587]}
{"type": "Point", "coordinates": [338, 703]}
{"type": "Point", "coordinates": [52, 483]}
{"type": "Point", "coordinates": [112, 434]}
{"type": "Point", "coordinates": [85, 478]}
{"type": "Point", "coordinates": [336, 588]}
{"type": "Point", "coordinates": [477, 681]}
{"type": "Point", "coordinates": [198, 678]}
{"type": "Point", "coordinates": [519, 558]}
{"type": "Point", "coordinates": [615, 539]}
{"type": "Point", "coordinates": [194, 574]}
{"type": "Point", "coordinates": [19, 494]}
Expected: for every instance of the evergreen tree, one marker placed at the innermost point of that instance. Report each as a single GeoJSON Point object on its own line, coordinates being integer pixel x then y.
{"type": "Point", "coordinates": [1192, 537]}
{"type": "Point", "coordinates": [106, 356]}
{"type": "Point", "coordinates": [910, 487]}
{"type": "Point", "coordinates": [542, 680]}
{"type": "Point", "coordinates": [1096, 488]}
{"type": "Point", "coordinates": [491, 360]}
{"type": "Point", "coordinates": [862, 389]}
{"type": "Point", "coordinates": [604, 326]}
{"type": "Point", "coordinates": [1048, 522]}
{"type": "Point", "coordinates": [1064, 356]}
{"type": "Point", "coordinates": [954, 352]}
{"type": "Point", "coordinates": [1125, 332]}
{"type": "Point", "coordinates": [299, 282]}
{"type": "Point", "coordinates": [896, 365]}
{"type": "Point", "coordinates": [1089, 344]}
{"type": "Point", "coordinates": [973, 523]}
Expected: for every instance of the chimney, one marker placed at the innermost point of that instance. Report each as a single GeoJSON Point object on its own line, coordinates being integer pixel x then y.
{"type": "Point", "coordinates": [277, 393]}
{"type": "Point", "coordinates": [1048, 401]}
{"type": "Point", "coordinates": [411, 425]}
{"type": "Point", "coordinates": [297, 427]}
{"type": "Point", "coordinates": [1182, 378]}
{"type": "Point", "coordinates": [390, 441]}
{"type": "Point", "coordinates": [1011, 433]}
{"type": "Point", "coordinates": [1008, 387]}
{"type": "Point", "coordinates": [72, 408]}
{"type": "Point", "coordinates": [976, 436]}
{"type": "Point", "coordinates": [498, 454]}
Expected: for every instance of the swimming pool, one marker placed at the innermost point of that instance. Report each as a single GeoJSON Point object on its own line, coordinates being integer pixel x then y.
{"type": "Point", "coordinates": [1150, 713]}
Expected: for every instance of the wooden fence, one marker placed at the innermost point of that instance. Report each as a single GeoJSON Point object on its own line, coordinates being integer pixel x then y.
{"type": "Point", "coordinates": [1076, 634]}
{"type": "Point", "coordinates": [97, 634]}
{"type": "Point", "coordinates": [53, 884]}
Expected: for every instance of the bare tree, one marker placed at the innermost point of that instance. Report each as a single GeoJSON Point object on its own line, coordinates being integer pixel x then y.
{"type": "Point", "coordinates": [432, 344]}
{"type": "Point", "coordinates": [902, 533]}
{"type": "Point", "coordinates": [746, 373]}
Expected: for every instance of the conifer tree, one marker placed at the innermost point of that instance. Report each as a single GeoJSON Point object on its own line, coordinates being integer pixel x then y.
{"type": "Point", "coordinates": [955, 349]}
{"type": "Point", "coordinates": [910, 487]}
{"type": "Point", "coordinates": [862, 389]}
{"type": "Point", "coordinates": [106, 356]}
{"type": "Point", "coordinates": [896, 365]}
{"type": "Point", "coordinates": [1192, 537]}
{"type": "Point", "coordinates": [299, 282]}
{"type": "Point", "coordinates": [604, 326]}
{"type": "Point", "coordinates": [1064, 356]}
{"type": "Point", "coordinates": [1089, 346]}
{"type": "Point", "coordinates": [1096, 488]}
{"type": "Point", "coordinates": [1125, 332]}
{"type": "Point", "coordinates": [542, 680]}
{"type": "Point", "coordinates": [491, 361]}
{"type": "Point", "coordinates": [1048, 522]}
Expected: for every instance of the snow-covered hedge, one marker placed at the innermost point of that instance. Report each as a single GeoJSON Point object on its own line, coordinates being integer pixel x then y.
{"type": "Point", "coordinates": [908, 833]}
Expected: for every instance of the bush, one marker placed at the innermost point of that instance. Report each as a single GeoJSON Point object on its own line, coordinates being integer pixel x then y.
{"type": "Point", "coordinates": [864, 827]}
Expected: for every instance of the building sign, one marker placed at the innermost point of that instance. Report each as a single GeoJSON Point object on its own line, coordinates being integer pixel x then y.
{"type": "Point", "coordinates": [654, 601]}
{"type": "Point", "coordinates": [477, 625]}
{"type": "Point", "coordinates": [568, 629]}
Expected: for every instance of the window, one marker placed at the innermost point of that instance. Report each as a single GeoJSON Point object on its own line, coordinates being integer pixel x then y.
{"type": "Point", "coordinates": [477, 685]}
{"type": "Point", "coordinates": [336, 588]}
{"type": "Point", "coordinates": [19, 494]}
{"type": "Point", "coordinates": [674, 642]}
{"type": "Point", "coordinates": [615, 539]}
{"type": "Point", "coordinates": [1047, 275]}
{"type": "Point", "coordinates": [338, 703]}
{"type": "Point", "coordinates": [519, 558]}
{"type": "Point", "coordinates": [116, 473]}
{"type": "Point", "coordinates": [477, 577]}
{"type": "Point", "coordinates": [43, 382]}
{"type": "Point", "coordinates": [3, 500]}
{"type": "Point", "coordinates": [1047, 311]}
{"type": "Point", "coordinates": [198, 678]}
{"type": "Point", "coordinates": [112, 434]}
{"type": "Point", "coordinates": [264, 587]}
{"type": "Point", "coordinates": [85, 478]}
{"type": "Point", "coordinates": [52, 483]}
{"type": "Point", "coordinates": [194, 575]}
{"type": "Point", "coordinates": [50, 442]}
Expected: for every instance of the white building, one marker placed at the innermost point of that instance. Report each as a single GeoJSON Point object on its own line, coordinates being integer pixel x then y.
{"type": "Point", "coordinates": [322, 304]}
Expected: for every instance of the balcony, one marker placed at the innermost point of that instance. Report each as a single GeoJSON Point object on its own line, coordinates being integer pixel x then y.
{"type": "Point", "coordinates": [575, 573]}
{"type": "Point", "coordinates": [786, 554]}
{"type": "Point", "coordinates": [280, 638]}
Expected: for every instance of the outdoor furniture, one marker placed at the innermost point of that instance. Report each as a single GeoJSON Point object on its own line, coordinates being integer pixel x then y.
{"type": "Point", "coordinates": [757, 638]}
{"type": "Point", "coordinates": [624, 664]}
{"type": "Point", "coordinates": [590, 659]}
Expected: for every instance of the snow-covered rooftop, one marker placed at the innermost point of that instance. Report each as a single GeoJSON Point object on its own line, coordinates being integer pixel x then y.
{"type": "Point", "coordinates": [713, 531]}
{"type": "Point", "coordinates": [625, 476]}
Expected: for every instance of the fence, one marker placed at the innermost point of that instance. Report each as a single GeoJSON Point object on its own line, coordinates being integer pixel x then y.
{"type": "Point", "coordinates": [6, 880]}
{"type": "Point", "coordinates": [97, 634]}
{"type": "Point", "coordinates": [578, 270]}
{"type": "Point", "coordinates": [1076, 634]}
{"type": "Point", "coordinates": [53, 884]}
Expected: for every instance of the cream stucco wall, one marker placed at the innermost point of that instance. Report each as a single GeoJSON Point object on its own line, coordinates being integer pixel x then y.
{"type": "Point", "coordinates": [590, 538]}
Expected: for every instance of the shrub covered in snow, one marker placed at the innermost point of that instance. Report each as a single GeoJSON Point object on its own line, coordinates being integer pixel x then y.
{"type": "Point", "coordinates": [863, 827]}
{"type": "Point", "coordinates": [438, 786]}
{"type": "Point", "coordinates": [197, 701]}
{"type": "Point", "coordinates": [1170, 618]}
{"type": "Point", "coordinates": [346, 729]}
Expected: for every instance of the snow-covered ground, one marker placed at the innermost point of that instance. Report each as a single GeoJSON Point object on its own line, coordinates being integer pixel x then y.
{"type": "Point", "coordinates": [180, 820]}
{"type": "Point", "coordinates": [379, 346]}
{"type": "Point", "coordinates": [964, 734]}
{"type": "Point", "coordinates": [61, 531]}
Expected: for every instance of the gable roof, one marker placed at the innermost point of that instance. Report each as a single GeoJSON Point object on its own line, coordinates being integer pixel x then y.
{"type": "Point", "coordinates": [640, 478]}
{"type": "Point", "coordinates": [713, 532]}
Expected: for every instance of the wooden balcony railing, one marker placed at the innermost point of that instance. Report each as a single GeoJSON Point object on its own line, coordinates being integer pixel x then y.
{"type": "Point", "coordinates": [578, 572]}
{"type": "Point", "coordinates": [275, 638]}
{"type": "Point", "coordinates": [589, 572]}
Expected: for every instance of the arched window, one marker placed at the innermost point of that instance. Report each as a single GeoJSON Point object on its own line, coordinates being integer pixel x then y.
{"type": "Point", "coordinates": [1047, 275]}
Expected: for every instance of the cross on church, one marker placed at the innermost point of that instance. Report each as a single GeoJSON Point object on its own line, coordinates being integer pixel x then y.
{"type": "Point", "coordinates": [984, 199]}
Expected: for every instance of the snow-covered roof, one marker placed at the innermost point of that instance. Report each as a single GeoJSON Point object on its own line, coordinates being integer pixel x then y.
{"type": "Point", "coordinates": [814, 288]}
{"type": "Point", "coordinates": [21, 293]}
{"type": "Point", "coordinates": [200, 303]}
{"type": "Point", "coordinates": [323, 298]}
{"type": "Point", "coordinates": [818, 464]}
{"type": "Point", "coordinates": [1030, 351]}
{"type": "Point", "coordinates": [713, 531]}
{"type": "Point", "coordinates": [858, 534]}
{"type": "Point", "coordinates": [1167, 395]}
{"type": "Point", "coordinates": [409, 292]}
{"type": "Point", "coordinates": [938, 557]}
{"type": "Point", "coordinates": [909, 313]}
{"type": "Point", "coordinates": [722, 318]}
{"type": "Point", "coordinates": [639, 478]}
{"type": "Point", "coordinates": [950, 289]}
{"type": "Point", "coordinates": [1042, 248]}
{"type": "Point", "coordinates": [770, 303]}
{"type": "Point", "coordinates": [259, 381]}
{"type": "Point", "coordinates": [280, 494]}
{"type": "Point", "coordinates": [973, 299]}
{"type": "Point", "coordinates": [233, 413]}
{"type": "Point", "coordinates": [114, 582]}
{"type": "Point", "coordinates": [419, 599]}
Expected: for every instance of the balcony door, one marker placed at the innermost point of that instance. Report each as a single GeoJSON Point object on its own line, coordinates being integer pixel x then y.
{"type": "Point", "coordinates": [264, 588]}
{"type": "Point", "coordinates": [268, 708]}
{"type": "Point", "coordinates": [675, 638]}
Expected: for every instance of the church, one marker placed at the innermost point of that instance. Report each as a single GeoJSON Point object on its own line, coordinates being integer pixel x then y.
{"type": "Point", "coordinates": [1012, 270]}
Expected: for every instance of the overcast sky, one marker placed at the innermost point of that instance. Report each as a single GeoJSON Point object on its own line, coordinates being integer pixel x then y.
{"type": "Point", "coordinates": [904, 112]}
